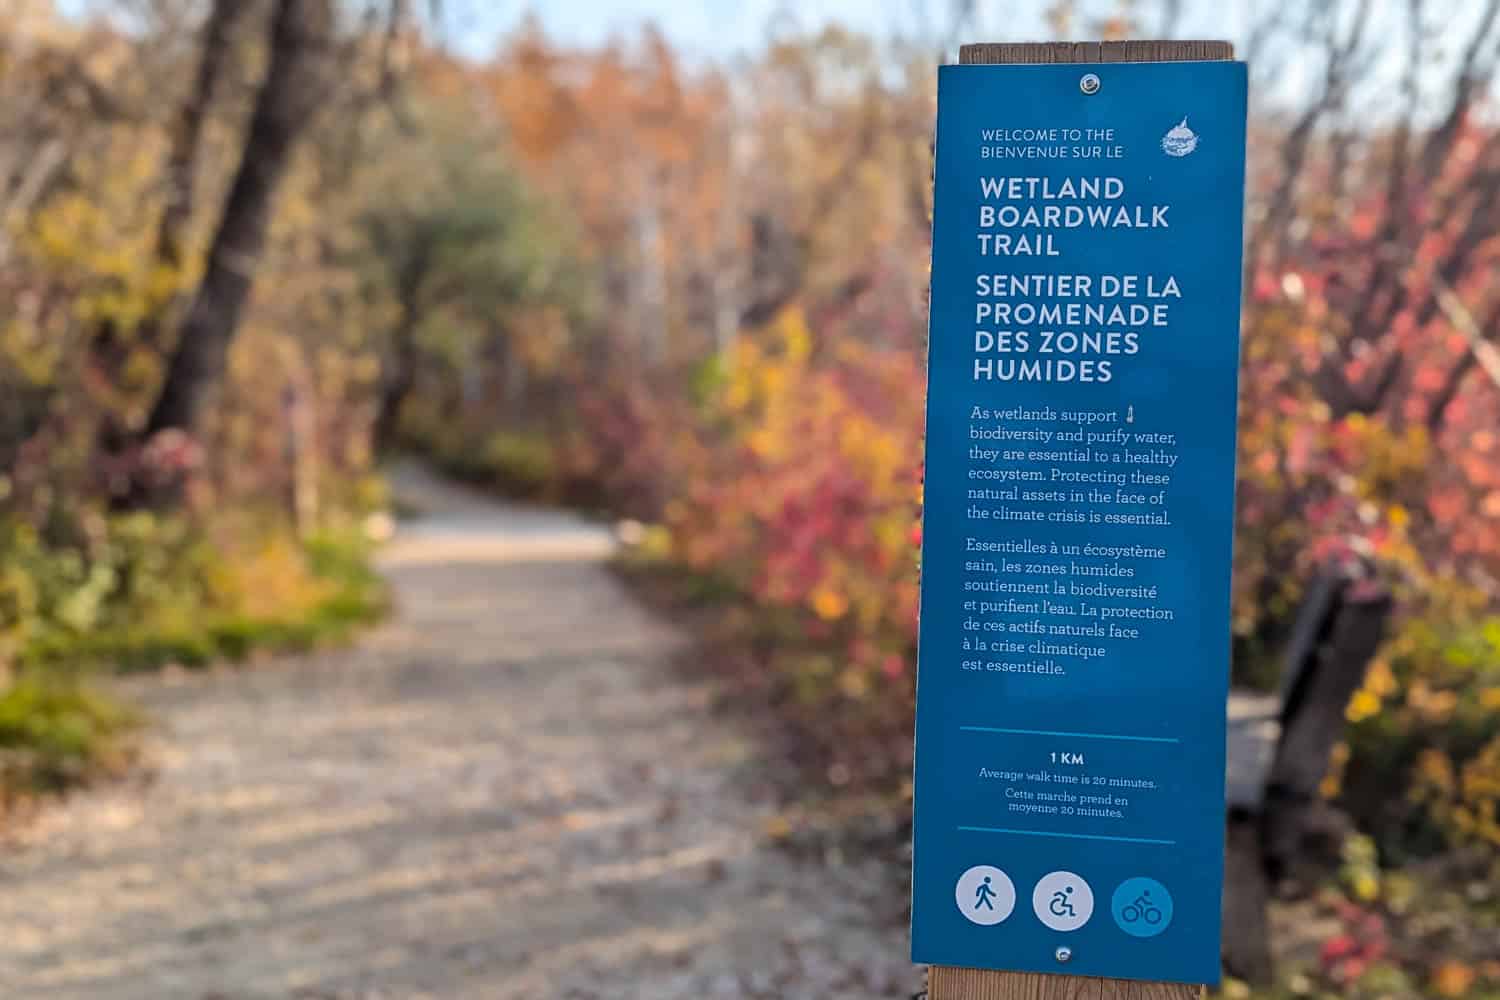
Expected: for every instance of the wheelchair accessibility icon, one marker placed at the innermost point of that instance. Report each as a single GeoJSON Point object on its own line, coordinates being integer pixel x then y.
{"type": "Point", "coordinates": [1142, 907]}
{"type": "Point", "coordinates": [1063, 901]}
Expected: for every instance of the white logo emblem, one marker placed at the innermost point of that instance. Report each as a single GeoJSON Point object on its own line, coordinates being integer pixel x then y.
{"type": "Point", "coordinates": [1180, 141]}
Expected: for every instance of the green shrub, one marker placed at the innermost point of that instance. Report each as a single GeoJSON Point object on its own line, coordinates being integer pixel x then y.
{"type": "Point", "coordinates": [155, 593]}
{"type": "Point", "coordinates": [146, 591]}
{"type": "Point", "coordinates": [520, 463]}
{"type": "Point", "coordinates": [54, 732]}
{"type": "Point", "coordinates": [516, 463]}
{"type": "Point", "coordinates": [1427, 720]}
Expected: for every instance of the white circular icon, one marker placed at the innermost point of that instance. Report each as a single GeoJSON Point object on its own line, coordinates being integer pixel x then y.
{"type": "Point", "coordinates": [985, 894]}
{"type": "Point", "coordinates": [1063, 901]}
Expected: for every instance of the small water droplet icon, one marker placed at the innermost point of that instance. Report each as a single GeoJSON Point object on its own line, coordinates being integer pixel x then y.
{"type": "Point", "coordinates": [1180, 141]}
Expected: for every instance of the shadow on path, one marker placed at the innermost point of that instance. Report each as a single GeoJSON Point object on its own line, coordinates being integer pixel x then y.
{"type": "Point", "coordinates": [505, 792]}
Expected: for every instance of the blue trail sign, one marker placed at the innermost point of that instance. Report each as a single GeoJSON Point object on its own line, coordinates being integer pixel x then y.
{"type": "Point", "coordinates": [1074, 661]}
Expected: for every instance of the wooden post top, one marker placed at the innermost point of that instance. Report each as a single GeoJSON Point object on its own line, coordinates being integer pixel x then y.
{"type": "Point", "coordinates": [996, 53]}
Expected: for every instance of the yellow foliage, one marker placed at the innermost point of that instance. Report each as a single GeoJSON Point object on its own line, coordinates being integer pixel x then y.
{"type": "Point", "coordinates": [1332, 782]}
{"type": "Point", "coordinates": [854, 683]}
{"type": "Point", "coordinates": [270, 578]}
{"type": "Point", "coordinates": [829, 604]}
{"type": "Point", "coordinates": [1432, 705]}
{"type": "Point", "coordinates": [1366, 886]}
{"type": "Point", "coordinates": [1436, 770]}
{"type": "Point", "coordinates": [1363, 705]}
{"type": "Point", "coordinates": [1380, 679]}
{"type": "Point", "coordinates": [777, 827]}
{"type": "Point", "coordinates": [1452, 978]}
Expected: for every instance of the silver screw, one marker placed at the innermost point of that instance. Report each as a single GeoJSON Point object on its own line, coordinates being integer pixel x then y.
{"type": "Point", "coordinates": [1089, 84]}
{"type": "Point", "coordinates": [1064, 953]}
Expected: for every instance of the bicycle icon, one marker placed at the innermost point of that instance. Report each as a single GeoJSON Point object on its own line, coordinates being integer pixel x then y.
{"type": "Point", "coordinates": [1142, 907]}
{"type": "Point", "coordinates": [1140, 910]}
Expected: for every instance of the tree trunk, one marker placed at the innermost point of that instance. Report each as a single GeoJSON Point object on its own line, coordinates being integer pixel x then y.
{"type": "Point", "coordinates": [398, 379]}
{"type": "Point", "coordinates": [293, 84]}
{"type": "Point", "coordinates": [108, 351]}
{"type": "Point", "coordinates": [182, 159]}
{"type": "Point", "coordinates": [1247, 893]}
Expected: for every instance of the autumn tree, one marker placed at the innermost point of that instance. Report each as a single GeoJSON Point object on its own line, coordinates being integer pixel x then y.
{"type": "Point", "coordinates": [466, 254]}
{"type": "Point", "coordinates": [1364, 483]}
{"type": "Point", "coordinates": [294, 84]}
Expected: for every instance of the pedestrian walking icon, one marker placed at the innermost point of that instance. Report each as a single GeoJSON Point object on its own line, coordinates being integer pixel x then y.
{"type": "Point", "coordinates": [1063, 901]}
{"type": "Point", "coordinates": [985, 895]}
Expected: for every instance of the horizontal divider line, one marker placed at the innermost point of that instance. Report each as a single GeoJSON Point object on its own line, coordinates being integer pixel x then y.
{"type": "Point", "coordinates": [1081, 736]}
{"type": "Point", "coordinates": [1068, 836]}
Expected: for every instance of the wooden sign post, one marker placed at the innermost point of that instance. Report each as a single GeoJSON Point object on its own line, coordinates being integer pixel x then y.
{"type": "Point", "coordinates": [1182, 657]}
{"type": "Point", "coordinates": [948, 983]}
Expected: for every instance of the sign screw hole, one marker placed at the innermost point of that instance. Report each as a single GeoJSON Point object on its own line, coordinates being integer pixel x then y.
{"type": "Point", "coordinates": [1064, 954]}
{"type": "Point", "coordinates": [1089, 84]}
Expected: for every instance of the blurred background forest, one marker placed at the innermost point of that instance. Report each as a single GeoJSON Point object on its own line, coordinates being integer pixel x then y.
{"type": "Point", "coordinates": [248, 247]}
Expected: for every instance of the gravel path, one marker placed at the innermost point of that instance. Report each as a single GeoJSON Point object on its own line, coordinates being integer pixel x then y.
{"type": "Point", "coordinates": [506, 792]}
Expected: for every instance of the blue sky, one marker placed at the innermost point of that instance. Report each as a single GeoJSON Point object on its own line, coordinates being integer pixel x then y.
{"type": "Point", "coordinates": [720, 29]}
{"type": "Point", "coordinates": [713, 28]}
{"type": "Point", "coordinates": [724, 25]}
{"type": "Point", "coordinates": [717, 28]}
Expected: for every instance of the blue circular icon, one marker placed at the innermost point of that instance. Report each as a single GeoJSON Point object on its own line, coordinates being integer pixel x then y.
{"type": "Point", "coordinates": [1142, 907]}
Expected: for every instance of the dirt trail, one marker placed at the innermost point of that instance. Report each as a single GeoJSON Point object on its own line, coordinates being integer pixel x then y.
{"type": "Point", "coordinates": [505, 792]}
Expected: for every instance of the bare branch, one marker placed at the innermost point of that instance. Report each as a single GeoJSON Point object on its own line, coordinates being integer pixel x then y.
{"type": "Point", "coordinates": [1383, 289]}
{"type": "Point", "coordinates": [1485, 353]}
{"type": "Point", "coordinates": [1343, 66]}
{"type": "Point", "coordinates": [1475, 72]}
{"type": "Point", "coordinates": [1171, 16]}
{"type": "Point", "coordinates": [218, 32]}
